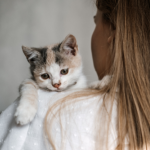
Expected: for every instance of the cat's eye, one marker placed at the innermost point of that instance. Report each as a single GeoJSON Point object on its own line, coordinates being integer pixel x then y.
{"type": "Point", "coordinates": [64, 71]}
{"type": "Point", "coordinates": [45, 76]}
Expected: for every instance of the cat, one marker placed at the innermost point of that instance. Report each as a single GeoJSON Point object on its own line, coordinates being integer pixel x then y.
{"type": "Point", "coordinates": [101, 83]}
{"type": "Point", "coordinates": [55, 68]}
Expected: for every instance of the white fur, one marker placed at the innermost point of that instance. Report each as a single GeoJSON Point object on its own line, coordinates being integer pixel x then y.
{"type": "Point", "coordinates": [74, 79]}
{"type": "Point", "coordinates": [25, 113]}
{"type": "Point", "coordinates": [101, 83]}
{"type": "Point", "coordinates": [28, 103]}
{"type": "Point", "coordinates": [54, 71]}
{"type": "Point", "coordinates": [32, 56]}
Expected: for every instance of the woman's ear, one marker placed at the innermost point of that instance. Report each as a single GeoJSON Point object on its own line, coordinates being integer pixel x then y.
{"type": "Point", "coordinates": [112, 36]}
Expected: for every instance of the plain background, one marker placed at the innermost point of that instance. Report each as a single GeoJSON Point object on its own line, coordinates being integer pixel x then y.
{"type": "Point", "coordinates": [39, 23]}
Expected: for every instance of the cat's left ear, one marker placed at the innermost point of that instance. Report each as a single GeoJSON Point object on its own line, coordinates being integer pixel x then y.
{"type": "Point", "coordinates": [69, 45]}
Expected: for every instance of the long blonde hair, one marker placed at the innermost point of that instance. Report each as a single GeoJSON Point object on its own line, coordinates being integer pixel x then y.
{"type": "Point", "coordinates": [130, 70]}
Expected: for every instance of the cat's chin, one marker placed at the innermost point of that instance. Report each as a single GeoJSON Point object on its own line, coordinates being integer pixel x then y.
{"type": "Point", "coordinates": [55, 90]}
{"type": "Point", "coordinates": [59, 90]}
{"type": "Point", "coordinates": [51, 90]}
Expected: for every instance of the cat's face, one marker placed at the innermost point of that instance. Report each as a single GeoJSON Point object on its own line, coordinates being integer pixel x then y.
{"type": "Point", "coordinates": [55, 67]}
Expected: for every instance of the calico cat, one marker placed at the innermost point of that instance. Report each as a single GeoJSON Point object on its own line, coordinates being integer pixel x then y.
{"type": "Point", "coordinates": [55, 68]}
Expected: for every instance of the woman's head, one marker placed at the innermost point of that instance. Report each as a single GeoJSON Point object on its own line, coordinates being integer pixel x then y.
{"type": "Point", "coordinates": [101, 41]}
{"type": "Point", "coordinates": [119, 22]}
{"type": "Point", "coordinates": [102, 38]}
{"type": "Point", "coordinates": [121, 47]}
{"type": "Point", "coordinates": [128, 58]}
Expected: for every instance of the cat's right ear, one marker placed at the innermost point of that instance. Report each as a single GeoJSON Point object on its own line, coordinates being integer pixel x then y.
{"type": "Point", "coordinates": [69, 45]}
{"type": "Point", "coordinates": [31, 54]}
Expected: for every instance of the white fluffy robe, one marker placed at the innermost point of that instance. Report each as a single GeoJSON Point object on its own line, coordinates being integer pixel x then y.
{"type": "Point", "coordinates": [79, 126]}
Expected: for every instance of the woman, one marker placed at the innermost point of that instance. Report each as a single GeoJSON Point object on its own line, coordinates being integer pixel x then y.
{"type": "Point", "coordinates": [114, 117]}
{"type": "Point", "coordinates": [121, 48]}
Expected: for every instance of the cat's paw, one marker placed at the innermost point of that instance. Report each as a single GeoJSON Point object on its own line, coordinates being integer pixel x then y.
{"type": "Point", "coordinates": [95, 85]}
{"type": "Point", "coordinates": [100, 84]}
{"type": "Point", "coordinates": [25, 114]}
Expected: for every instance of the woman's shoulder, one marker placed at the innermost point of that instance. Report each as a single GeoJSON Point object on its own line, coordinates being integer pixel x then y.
{"type": "Point", "coordinates": [78, 119]}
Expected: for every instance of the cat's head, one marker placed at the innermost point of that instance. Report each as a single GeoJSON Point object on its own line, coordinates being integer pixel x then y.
{"type": "Point", "coordinates": [55, 67]}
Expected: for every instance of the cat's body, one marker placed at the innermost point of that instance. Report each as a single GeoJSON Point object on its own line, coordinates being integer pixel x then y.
{"type": "Point", "coordinates": [54, 68]}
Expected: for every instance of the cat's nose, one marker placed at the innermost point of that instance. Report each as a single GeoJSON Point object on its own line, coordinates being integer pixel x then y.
{"type": "Point", "coordinates": [56, 85]}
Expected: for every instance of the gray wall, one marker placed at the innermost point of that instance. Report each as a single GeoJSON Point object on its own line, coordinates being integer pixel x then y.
{"type": "Point", "coordinates": [39, 23]}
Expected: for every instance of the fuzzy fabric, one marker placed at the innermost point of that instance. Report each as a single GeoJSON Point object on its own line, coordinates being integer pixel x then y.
{"type": "Point", "coordinates": [78, 125]}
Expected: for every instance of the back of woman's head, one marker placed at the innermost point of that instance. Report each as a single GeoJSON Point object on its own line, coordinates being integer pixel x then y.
{"type": "Point", "coordinates": [131, 67]}
{"type": "Point", "coordinates": [130, 51]}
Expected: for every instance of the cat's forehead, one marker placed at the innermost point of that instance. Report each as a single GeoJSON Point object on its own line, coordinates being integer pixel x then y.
{"type": "Point", "coordinates": [55, 55]}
